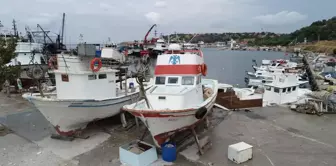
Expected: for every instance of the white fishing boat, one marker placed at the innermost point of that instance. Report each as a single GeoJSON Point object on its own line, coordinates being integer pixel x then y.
{"type": "Point", "coordinates": [275, 64]}
{"type": "Point", "coordinates": [284, 89]}
{"type": "Point", "coordinates": [84, 92]}
{"type": "Point", "coordinates": [189, 46]}
{"type": "Point", "coordinates": [267, 78]}
{"type": "Point", "coordinates": [31, 60]}
{"type": "Point", "coordinates": [160, 46]}
{"type": "Point", "coordinates": [265, 73]}
{"type": "Point", "coordinates": [180, 98]}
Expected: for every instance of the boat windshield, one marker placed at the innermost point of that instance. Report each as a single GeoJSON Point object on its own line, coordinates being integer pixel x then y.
{"type": "Point", "coordinates": [188, 80]}
{"type": "Point", "coordinates": [160, 80]}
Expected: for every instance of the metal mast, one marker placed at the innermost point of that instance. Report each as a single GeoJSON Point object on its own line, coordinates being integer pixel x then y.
{"type": "Point", "coordinates": [63, 22]}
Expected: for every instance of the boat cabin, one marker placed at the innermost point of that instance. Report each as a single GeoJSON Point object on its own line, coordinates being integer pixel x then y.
{"type": "Point", "coordinates": [177, 80]}
{"type": "Point", "coordinates": [283, 89]}
{"type": "Point", "coordinates": [26, 51]}
{"type": "Point", "coordinates": [75, 80]}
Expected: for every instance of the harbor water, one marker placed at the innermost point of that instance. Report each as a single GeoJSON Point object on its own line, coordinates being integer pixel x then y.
{"type": "Point", "coordinates": [229, 66]}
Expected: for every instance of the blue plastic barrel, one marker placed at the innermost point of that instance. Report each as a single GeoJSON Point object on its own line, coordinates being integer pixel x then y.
{"type": "Point", "coordinates": [131, 85]}
{"type": "Point", "coordinates": [98, 53]}
{"type": "Point", "coordinates": [168, 152]}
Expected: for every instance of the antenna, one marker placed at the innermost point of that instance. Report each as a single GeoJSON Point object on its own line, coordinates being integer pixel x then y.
{"type": "Point", "coordinates": [63, 21]}
{"type": "Point", "coordinates": [15, 29]}
{"type": "Point", "coordinates": [81, 38]}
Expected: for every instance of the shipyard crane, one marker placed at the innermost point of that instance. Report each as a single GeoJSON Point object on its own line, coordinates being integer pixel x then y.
{"type": "Point", "coordinates": [45, 33]}
{"type": "Point", "coordinates": [145, 40]}
{"type": "Point", "coordinates": [30, 35]}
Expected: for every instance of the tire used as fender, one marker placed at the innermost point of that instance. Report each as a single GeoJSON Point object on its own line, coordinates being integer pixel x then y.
{"type": "Point", "coordinates": [201, 112]}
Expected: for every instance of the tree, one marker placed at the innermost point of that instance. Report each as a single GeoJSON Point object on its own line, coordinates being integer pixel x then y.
{"type": "Point", "coordinates": [7, 49]}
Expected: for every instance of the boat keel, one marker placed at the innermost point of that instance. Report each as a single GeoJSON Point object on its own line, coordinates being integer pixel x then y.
{"type": "Point", "coordinates": [68, 135]}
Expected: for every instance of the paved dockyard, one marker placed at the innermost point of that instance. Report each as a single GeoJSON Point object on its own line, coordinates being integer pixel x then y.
{"type": "Point", "coordinates": [279, 136]}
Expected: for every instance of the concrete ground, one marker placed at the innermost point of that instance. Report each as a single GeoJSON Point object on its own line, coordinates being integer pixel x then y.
{"type": "Point", "coordinates": [26, 140]}
{"type": "Point", "coordinates": [279, 137]}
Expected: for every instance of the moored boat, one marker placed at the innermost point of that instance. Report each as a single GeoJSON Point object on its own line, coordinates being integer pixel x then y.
{"type": "Point", "coordinates": [180, 98]}
{"type": "Point", "coordinates": [84, 92]}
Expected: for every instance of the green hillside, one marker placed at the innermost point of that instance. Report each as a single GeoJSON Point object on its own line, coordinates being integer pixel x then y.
{"type": "Point", "coordinates": [319, 30]}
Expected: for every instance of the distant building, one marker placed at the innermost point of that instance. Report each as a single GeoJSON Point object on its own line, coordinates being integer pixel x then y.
{"type": "Point", "coordinates": [220, 44]}
{"type": "Point", "coordinates": [200, 44]}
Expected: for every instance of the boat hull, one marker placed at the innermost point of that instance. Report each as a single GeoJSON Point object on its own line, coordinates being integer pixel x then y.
{"type": "Point", "coordinates": [163, 125]}
{"type": "Point", "coordinates": [69, 117]}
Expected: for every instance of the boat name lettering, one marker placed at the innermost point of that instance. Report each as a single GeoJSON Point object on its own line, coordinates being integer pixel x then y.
{"type": "Point", "coordinates": [172, 119]}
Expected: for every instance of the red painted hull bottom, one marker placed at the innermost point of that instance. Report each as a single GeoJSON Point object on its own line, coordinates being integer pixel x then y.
{"type": "Point", "coordinates": [71, 133]}
{"type": "Point", "coordinates": [162, 138]}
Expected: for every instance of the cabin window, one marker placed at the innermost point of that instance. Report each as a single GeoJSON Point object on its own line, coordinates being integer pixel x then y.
{"type": "Point", "coordinates": [65, 77]}
{"type": "Point", "coordinates": [188, 80]}
{"type": "Point", "coordinates": [268, 88]}
{"type": "Point", "coordinates": [102, 76]}
{"type": "Point", "coordinates": [276, 90]}
{"type": "Point", "coordinates": [160, 80]}
{"type": "Point", "coordinates": [294, 88]}
{"type": "Point", "coordinates": [289, 89]}
{"type": "Point", "coordinates": [284, 90]}
{"type": "Point", "coordinates": [92, 77]}
{"type": "Point", "coordinates": [172, 80]}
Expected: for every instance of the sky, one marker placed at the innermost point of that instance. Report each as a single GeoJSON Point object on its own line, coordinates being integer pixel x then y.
{"type": "Point", "coordinates": [127, 20]}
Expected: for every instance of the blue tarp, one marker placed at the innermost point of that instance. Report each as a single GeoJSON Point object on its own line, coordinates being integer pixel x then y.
{"type": "Point", "coordinates": [98, 53]}
{"type": "Point", "coordinates": [329, 74]}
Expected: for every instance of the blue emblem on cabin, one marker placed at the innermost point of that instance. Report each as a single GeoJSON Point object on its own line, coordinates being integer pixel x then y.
{"type": "Point", "coordinates": [174, 59]}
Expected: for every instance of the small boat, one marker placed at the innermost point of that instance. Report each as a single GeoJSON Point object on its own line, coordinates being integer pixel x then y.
{"type": "Point", "coordinates": [180, 98]}
{"type": "Point", "coordinates": [84, 92]}
{"type": "Point", "coordinates": [238, 98]}
{"type": "Point", "coordinates": [29, 55]}
{"type": "Point", "coordinates": [275, 64]}
{"type": "Point", "coordinates": [284, 89]}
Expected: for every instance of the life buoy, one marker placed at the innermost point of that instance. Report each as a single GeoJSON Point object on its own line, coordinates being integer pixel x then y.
{"type": "Point", "coordinates": [204, 69]}
{"type": "Point", "coordinates": [92, 64]}
{"type": "Point", "coordinates": [52, 62]}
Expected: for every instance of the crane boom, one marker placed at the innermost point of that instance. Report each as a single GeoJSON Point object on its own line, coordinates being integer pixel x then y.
{"type": "Point", "coordinates": [145, 40]}
{"type": "Point", "coordinates": [45, 33]}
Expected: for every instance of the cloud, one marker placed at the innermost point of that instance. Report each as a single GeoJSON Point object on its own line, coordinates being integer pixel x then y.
{"type": "Point", "coordinates": [153, 17]}
{"type": "Point", "coordinates": [160, 3]}
{"type": "Point", "coordinates": [281, 18]}
{"type": "Point", "coordinates": [42, 18]}
{"type": "Point", "coordinates": [103, 5]}
{"type": "Point", "coordinates": [130, 20]}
